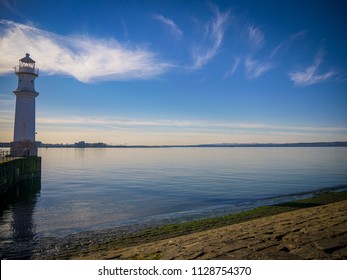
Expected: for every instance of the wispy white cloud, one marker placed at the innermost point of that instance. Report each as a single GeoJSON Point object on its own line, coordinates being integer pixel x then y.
{"type": "Point", "coordinates": [286, 43]}
{"type": "Point", "coordinates": [7, 105]}
{"type": "Point", "coordinates": [255, 68]}
{"type": "Point", "coordinates": [214, 33]}
{"type": "Point", "coordinates": [71, 128]}
{"type": "Point", "coordinates": [86, 59]}
{"type": "Point", "coordinates": [193, 125]}
{"type": "Point", "coordinates": [6, 97]}
{"type": "Point", "coordinates": [233, 69]}
{"type": "Point", "coordinates": [255, 37]}
{"type": "Point", "coordinates": [12, 6]}
{"type": "Point", "coordinates": [252, 40]}
{"type": "Point", "coordinates": [311, 75]}
{"type": "Point", "coordinates": [174, 29]}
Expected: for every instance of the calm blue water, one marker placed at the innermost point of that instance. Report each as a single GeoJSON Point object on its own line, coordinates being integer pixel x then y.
{"type": "Point", "coordinates": [90, 189]}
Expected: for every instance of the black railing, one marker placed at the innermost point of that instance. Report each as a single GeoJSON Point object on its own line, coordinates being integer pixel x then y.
{"type": "Point", "coordinates": [5, 156]}
{"type": "Point", "coordinates": [10, 155]}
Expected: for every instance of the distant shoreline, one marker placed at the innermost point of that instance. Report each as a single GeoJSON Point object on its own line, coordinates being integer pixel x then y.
{"type": "Point", "coordinates": [83, 144]}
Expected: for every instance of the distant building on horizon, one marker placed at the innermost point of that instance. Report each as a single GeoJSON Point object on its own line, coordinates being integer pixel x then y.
{"type": "Point", "coordinates": [83, 144]}
{"type": "Point", "coordinates": [80, 144]}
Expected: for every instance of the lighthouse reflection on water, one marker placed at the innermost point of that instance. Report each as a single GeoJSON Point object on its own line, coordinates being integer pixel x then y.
{"type": "Point", "coordinates": [16, 210]}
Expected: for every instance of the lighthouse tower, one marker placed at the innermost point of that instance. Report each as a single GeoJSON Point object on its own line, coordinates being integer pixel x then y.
{"type": "Point", "coordinates": [24, 143]}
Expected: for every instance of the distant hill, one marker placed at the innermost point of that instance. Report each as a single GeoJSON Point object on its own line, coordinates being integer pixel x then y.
{"type": "Point", "coordinates": [308, 144]}
{"type": "Point", "coordinates": [103, 145]}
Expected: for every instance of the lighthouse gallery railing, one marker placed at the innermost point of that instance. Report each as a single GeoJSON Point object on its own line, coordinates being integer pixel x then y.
{"type": "Point", "coordinates": [21, 69]}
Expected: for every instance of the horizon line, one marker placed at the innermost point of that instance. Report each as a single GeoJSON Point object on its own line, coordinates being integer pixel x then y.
{"type": "Point", "coordinates": [83, 144]}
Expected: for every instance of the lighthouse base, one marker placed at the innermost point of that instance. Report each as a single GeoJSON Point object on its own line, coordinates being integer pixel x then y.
{"type": "Point", "coordinates": [24, 149]}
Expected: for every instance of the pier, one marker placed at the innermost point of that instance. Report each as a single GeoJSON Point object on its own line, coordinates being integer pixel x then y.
{"type": "Point", "coordinates": [17, 169]}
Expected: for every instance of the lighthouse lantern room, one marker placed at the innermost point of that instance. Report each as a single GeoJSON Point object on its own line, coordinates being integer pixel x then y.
{"type": "Point", "coordinates": [24, 143]}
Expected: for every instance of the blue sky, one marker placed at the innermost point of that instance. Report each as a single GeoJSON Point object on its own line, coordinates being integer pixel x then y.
{"type": "Point", "coordinates": [179, 72]}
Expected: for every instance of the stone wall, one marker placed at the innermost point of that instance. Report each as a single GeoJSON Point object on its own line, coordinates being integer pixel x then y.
{"type": "Point", "coordinates": [19, 169]}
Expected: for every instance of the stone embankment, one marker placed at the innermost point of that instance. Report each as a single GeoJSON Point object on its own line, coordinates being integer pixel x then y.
{"type": "Point", "coordinates": [311, 233]}
{"type": "Point", "coordinates": [18, 169]}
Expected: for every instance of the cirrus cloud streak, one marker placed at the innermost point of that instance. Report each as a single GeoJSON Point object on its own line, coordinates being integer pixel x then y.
{"type": "Point", "coordinates": [170, 24]}
{"type": "Point", "coordinates": [84, 58]}
{"type": "Point", "coordinates": [311, 75]}
{"type": "Point", "coordinates": [214, 34]}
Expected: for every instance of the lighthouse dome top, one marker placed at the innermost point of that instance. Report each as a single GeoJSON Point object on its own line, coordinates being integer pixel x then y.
{"type": "Point", "coordinates": [27, 61]}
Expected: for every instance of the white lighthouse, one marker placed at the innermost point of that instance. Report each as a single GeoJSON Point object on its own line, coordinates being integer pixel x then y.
{"type": "Point", "coordinates": [24, 143]}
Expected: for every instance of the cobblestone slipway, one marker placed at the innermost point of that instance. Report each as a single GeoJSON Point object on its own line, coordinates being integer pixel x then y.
{"type": "Point", "coordinates": [312, 233]}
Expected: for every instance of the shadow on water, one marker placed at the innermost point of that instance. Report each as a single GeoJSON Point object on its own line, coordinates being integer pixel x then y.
{"type": "Point", "coordinates": [17, 206]}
